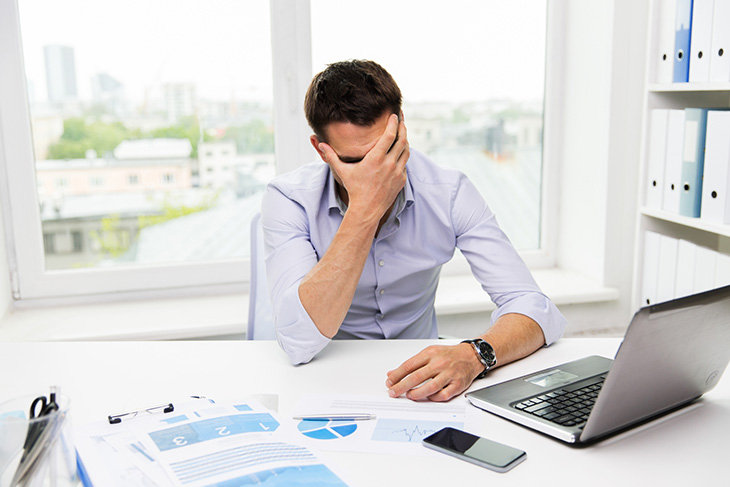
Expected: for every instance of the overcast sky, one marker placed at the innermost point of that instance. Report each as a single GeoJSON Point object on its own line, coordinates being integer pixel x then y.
{"type": "Point", "coordinates": [455, 50]}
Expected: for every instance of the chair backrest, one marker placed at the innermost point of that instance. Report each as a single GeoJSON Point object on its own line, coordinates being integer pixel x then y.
{"type": "Point", "coordinates": [260, 311]}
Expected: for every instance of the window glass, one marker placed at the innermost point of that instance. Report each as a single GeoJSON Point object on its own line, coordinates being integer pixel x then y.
{"type": "Point", "coordinates": [472, 77]}
{"type": "Point", "coordinates": [152, 126]}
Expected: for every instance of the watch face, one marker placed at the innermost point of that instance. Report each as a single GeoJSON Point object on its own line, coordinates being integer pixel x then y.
{"type": "Point", "coordinates": [485, 350]}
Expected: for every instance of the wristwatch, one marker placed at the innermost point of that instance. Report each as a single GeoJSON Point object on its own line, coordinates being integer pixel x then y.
{"type": "Point", "coordinates": [486, 355]}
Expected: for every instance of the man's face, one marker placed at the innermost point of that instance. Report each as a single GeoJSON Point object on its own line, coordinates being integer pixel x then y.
{"type": "Point", "coordinates": [352, 142]}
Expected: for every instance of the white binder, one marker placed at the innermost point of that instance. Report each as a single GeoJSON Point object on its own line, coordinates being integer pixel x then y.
{"type": "Point", "coordinates": [673, 162]}
{"type": "Point", "coordinates": [664, 51]}
{"type": "Point", "coordinates": [667, 273]}
{"type": "Point", "coordinates": [722, 270]}
{"type": "Point", "coordinates": [686, 261]}
{"type": "Point", "coordinates": [704, 272]}
{"type": "Point", "coordinates": [700, 43]}
{"type": "Point", "coordinates": [715, 206]}
{"type": "Point", "coordinates": [657, 155]}
{"type": "Point", "coordinates": [651, 269]}
{"type": "Point", "coordinates": [720, 44]}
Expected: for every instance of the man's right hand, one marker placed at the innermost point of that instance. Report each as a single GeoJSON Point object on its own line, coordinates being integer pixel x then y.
{"type": "Point", "coordinates": [373, 183]}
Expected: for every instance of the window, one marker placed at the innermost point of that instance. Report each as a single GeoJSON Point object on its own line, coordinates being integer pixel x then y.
{"type": "Point", "coordinates": [135, 161]}
{"type": "Point", "coordinates": [111, 90]}
{"type": "Point", "coordinates": [119, 105]}
{"type": "Point", "coordinates": [474, 103]}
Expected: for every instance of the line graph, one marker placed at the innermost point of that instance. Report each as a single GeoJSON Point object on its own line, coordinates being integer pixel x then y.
{"type": "Point", "coordinates": [408, 430]}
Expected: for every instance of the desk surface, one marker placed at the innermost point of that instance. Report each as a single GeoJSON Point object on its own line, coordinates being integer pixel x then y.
{"type": "Point", "coordinates": [687, 447]}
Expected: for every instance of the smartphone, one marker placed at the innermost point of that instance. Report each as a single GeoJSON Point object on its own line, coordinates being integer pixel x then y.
{"type": "Point", "coordinates": [475, 449]}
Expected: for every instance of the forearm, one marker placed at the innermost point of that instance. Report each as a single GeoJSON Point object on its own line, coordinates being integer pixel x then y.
{"type": "Point", "coordinates": [514, 336]}
{"type": "Point", "coordinates": [326, 292]}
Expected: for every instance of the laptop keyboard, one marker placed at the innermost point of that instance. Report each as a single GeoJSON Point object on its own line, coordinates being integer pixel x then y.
{"type": "Point", "coordinates": [568, 406]}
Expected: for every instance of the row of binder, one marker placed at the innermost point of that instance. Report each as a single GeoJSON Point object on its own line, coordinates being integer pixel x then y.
{"type": "Point", "coordinates": [674, 268]}
{"type": "Point", "coordinates": [688, 168]}
{"type": "Point", "coordinates": [692, 41]}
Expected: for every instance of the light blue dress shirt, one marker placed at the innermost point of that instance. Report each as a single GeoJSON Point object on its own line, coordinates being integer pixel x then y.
{"type": "Point", "coordinates": [438, 210]}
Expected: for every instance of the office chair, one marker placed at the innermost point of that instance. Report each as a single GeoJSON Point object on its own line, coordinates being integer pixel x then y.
{"type": "Point", "coordinates": [260, 311]}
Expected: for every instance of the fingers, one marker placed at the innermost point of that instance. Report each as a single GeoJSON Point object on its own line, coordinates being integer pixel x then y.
{"type": "Point", "coordinates": [389, 136]}
{"type": "Point", "coordinates": [414, 363]}
{"type": "Point", "coordinates": [401, 146]}
{"type": "Point", "coordinates": [329, 155]}
{"type": "Point", "coordinates": [437, 373]}
{"type": "Point", "coordinates": [417, 376]}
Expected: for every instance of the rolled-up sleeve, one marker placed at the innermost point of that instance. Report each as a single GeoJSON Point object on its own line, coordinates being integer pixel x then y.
{"type": "Point", "coordinates": [289, 257]}
{"type": "Point", "coordinates": [496, 264]}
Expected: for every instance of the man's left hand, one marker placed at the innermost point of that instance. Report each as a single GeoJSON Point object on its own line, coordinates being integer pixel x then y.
{"type": "Point", "coordinates": [437, 373]}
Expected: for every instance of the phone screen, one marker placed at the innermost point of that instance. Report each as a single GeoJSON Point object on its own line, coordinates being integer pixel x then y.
{"type": "Point", "coordinates": [475, 449]}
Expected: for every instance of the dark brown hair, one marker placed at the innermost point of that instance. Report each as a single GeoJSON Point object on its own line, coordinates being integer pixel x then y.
{"type": "Point", "coordinates": [355, 91]}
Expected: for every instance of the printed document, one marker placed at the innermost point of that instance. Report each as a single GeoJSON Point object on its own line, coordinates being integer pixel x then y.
{"type": "Point", "coordinates": [399, 427]}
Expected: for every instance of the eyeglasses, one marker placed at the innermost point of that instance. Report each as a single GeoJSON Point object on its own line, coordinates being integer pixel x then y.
{"type": "Point", "coordinates": [162, 408]}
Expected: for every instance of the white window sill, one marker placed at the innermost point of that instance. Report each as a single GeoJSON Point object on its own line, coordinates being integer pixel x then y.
{"type": "Point", "coordinates": [463, 294]}
{"type": "Point", "coordinates": [226, 316]}
{"type": "Point", "coordinates": [159, 319]}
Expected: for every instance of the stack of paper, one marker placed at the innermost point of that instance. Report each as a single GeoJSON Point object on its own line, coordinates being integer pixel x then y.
{"type": "Point", "coordinates": [199, 444]}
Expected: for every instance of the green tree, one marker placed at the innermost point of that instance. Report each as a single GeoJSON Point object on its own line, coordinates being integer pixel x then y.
{"type": "Point", "coordinates": [68, 149]}
{"type": "Point", "coordinates": [112, 240]}
{"type": "Point", "coordinates": [187, 128]}
{"type": "Point", "coordinates": [74, 129]}
{"type": "Point", "coordinates": [254, 137]}
{"type": "Point", "coordinates": [79, 136]}
{"type": "Point", "coordinates": [171, 210]}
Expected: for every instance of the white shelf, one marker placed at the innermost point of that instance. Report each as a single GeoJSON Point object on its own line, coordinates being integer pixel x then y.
{"type": "Point", "coordinates": [689, 87]}
{"type": "Point", "coordinates": [695, 223]}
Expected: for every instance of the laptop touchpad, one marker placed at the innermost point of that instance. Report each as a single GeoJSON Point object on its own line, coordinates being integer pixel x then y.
{"type": "Point", "coordinates": [552, 378]}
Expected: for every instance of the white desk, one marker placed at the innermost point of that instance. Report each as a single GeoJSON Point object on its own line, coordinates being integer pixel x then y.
{"type": "Point", "coordinates": [688, 447]}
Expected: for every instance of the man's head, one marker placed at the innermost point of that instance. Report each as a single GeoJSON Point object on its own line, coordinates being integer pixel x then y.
{"type": "Point", "coordinates": [356, 91]}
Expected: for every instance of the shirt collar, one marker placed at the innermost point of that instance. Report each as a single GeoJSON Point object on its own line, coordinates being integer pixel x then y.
{"type": "Point", "coordinates": [405, 197]}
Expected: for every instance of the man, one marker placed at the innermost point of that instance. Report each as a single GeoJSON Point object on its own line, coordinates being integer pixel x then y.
{"type": "Point", "coordinates": [355, 246]}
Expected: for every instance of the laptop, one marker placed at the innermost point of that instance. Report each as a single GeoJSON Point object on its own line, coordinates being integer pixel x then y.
{"type": "Point", "coordinates": [672, 353]}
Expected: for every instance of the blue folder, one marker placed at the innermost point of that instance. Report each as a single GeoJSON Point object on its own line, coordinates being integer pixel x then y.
{"type": "Point", "coordinates": [682, 35]}
{"type": "Point", "coordinates": [693, 161]}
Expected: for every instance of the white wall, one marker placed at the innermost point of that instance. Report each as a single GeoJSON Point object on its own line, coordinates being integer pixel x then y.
{"type": "Point", "coordinates": [602, 144]}
{"type": "Point", "coordinates": [6, 299]}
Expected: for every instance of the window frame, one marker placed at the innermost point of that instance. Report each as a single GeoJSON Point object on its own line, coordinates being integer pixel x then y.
{"type": "Point", "coordinates": [292, 71]}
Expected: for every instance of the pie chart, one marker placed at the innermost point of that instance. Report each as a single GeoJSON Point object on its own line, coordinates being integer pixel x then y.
{"type": "Point", "coordinates": [326, 430]}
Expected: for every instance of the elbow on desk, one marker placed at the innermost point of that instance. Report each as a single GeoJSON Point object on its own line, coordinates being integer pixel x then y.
{"type": "Point", "coordinates": [299, 348]}
{"type": "Point", "coordinates": [297, 356]}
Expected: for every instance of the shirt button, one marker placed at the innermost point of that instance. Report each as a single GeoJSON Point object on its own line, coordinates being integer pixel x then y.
{"type": "Point", "coordinates": [381, 263]}
{"type": "Point", "coordinates": [382, 291]}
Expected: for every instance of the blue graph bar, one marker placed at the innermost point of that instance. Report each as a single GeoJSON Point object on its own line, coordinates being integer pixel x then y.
{"type": "Point", "coordinates": [210, 429]}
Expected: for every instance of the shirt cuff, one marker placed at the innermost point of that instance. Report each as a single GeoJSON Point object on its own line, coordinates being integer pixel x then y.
{"type": "Point", "coordinates": [297, 334]}
{"type": "Point", "coordinates": [539, 308]}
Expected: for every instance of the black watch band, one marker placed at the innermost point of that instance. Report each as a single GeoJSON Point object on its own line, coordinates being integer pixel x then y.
{"type": "Point", "coordinates": [486, 354]}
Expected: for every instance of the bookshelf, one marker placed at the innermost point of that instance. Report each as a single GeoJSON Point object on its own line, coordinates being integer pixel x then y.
{"type": "Point", "coordinates": [712, 95]}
